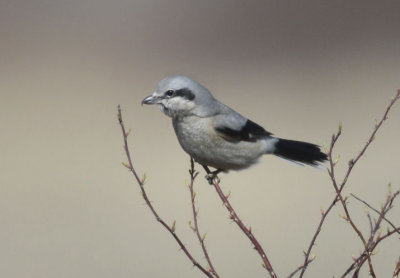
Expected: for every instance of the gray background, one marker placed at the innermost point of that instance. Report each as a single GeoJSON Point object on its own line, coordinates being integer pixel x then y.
{"type": "Point", "coordinates": [68, 208]}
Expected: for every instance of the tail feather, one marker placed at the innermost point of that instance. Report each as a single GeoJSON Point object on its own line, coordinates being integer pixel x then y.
{"type": "Point", "coordinates": [302, 152]}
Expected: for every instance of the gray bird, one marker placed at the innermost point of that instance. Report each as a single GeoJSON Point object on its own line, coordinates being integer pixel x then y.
{"type": "Point", "coordinates": [215, 135]}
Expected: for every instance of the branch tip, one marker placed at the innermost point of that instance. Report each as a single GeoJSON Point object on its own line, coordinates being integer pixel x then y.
{"type": "Point", "coordinates": [129, 131]}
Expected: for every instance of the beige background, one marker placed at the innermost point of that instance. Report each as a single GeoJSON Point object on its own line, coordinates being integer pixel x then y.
{"type": "Point", "coordinates": [68, 208]}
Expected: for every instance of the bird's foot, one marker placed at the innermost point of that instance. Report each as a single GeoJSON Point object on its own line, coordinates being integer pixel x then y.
{"type": "Point", "coordinates": [211, 176]}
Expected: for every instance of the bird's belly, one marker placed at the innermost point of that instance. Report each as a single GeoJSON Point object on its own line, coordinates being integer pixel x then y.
{"type": "Point", "coordinates": [199, 139]}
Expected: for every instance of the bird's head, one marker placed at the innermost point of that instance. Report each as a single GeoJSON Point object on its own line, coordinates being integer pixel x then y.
{"type": "Point", "coordinates": [180, 96]}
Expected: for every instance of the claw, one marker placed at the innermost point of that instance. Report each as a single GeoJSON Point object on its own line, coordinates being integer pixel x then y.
{"type": "Point", "coordinates": [212, 175]}
{"type": "Point", "coordinates": [210, 178]}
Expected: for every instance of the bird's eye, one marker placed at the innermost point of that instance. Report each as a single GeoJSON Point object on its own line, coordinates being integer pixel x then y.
{"type": "Point", "coordinates": [169, 93]}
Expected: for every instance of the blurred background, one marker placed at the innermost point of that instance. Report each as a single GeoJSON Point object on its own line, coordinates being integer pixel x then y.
{"type": "Point", "coordinates": [68, 208]}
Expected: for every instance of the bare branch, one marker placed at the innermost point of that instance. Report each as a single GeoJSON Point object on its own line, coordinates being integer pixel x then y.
{"type": "Point", "coordinates": [372, 242]}
{"type": "Point", "coordinates": [378, 212]}
{"type": "Point", "coordinates": [247, 231]}
{"type": "Point", "coordinates": [339, 188]}
{"type": "Point", "coordinates": [396, 271]}
{"type": "Point", "coordinates": [171, 229]}
{"type": "Point", "coordinates": [301, 267]}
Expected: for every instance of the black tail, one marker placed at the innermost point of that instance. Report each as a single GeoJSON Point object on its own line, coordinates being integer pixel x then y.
{"type": "Point", "coordinates": [302, 152]}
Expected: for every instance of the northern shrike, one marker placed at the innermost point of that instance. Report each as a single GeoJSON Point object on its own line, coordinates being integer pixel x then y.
{"type": "Point", "coordinates": [215, 135]}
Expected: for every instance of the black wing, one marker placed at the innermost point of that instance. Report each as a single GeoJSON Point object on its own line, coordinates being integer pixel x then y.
{"type": "Point", "coordinates": [250, 132]}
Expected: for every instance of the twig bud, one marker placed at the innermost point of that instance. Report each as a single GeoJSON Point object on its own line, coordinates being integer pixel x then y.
{"type": "Point", "coordinates": [372, 138]}
{"type": "Point", "coordinates": [143, 178]}
{"type": "Point", "coordinates": [191, 226]}
{"type": "Point", "coordinates": [129, 131]}
{"type": "Point", "coordinates": [340, 126]}
{"type": "Point", "coordinates": [173, 226]}
{"type": "Point", "coordinates": [203, 237]}
{"type": "Point", "coordinates": [379, 232]}
{"type": "Point", "coordinates": [126, 165]}
{"type": "Point", "coordinates": [344, 217]}
{"type": "Point", "coordinates": [336, 159]}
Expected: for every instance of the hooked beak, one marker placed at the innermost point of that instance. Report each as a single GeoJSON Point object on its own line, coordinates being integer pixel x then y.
{"type": "Point", "coordinates": [150, 100]}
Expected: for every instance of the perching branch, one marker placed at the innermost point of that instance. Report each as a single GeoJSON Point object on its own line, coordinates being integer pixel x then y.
{"type": "Point", "coordinates": [171, 229]}
{"type": "Point", "coordinates": [247, 231]}
{"type": "Point", "coordinates": [375, 236]}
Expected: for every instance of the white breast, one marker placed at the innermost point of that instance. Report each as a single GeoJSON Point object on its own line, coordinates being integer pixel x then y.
{"type": "Point", "coordinates": [199, 139]}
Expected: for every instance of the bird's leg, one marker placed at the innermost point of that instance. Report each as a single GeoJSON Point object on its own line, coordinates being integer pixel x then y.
{"type": "Point", "coordinates": [211, 175]}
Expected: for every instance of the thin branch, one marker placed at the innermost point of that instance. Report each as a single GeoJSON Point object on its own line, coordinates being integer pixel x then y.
{"type": "Point", "coordinates": [171, 229]}
{"type": "Point", "coordinates": [339, 188]}
{"type": "Point", "coordinates": [396, 271]}
{"type": "Point", "coordinates": [344, 204]}
{"type": "Point", "coordinates": [372, 242]}
{"type": "Point", "coordinates": [371, 226]}
{"type": "Point", "coordinates": [324, 214]}
{"type": "Point", "coordinates": [301, 267]}
{"type": "Point", "coordinates": [378, 212]}
{"type": "Point", "coordinates": [362, 258]}
{"type": "Point", "coordinates": [195, 228]}
{"type": "Point", "coordinates": [247, 231]}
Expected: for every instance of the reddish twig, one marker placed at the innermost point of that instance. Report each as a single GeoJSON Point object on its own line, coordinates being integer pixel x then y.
{"type": "Point", "coordinates": [396, 271]}
{"type": "Point", "coordinates": [351, 165]}
{"type": "Point", "coordinates": [358, 262]}
{"type": "Point", "coordinates": [301, 267]}
{"type": "Point", "coordinates": [344, 204]}
{"type": "Point", "coordinates": [171, 229]}
{"type": "Point", "coordinates": [195, 228]}
{"type": "Point", "coordinates": [339, 188]}
{"type": "Point", "coordinates": [324, 213]}
{"type": "Point", "coordinates": [372, 242]}
{"type": "Point", "coordinates": [247, 231]}
{"type": "Point", "coordinates": [378, 212]}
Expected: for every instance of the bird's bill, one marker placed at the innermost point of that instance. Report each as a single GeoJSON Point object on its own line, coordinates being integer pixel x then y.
{"type": "Point", "coordinates": [150, 100]}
